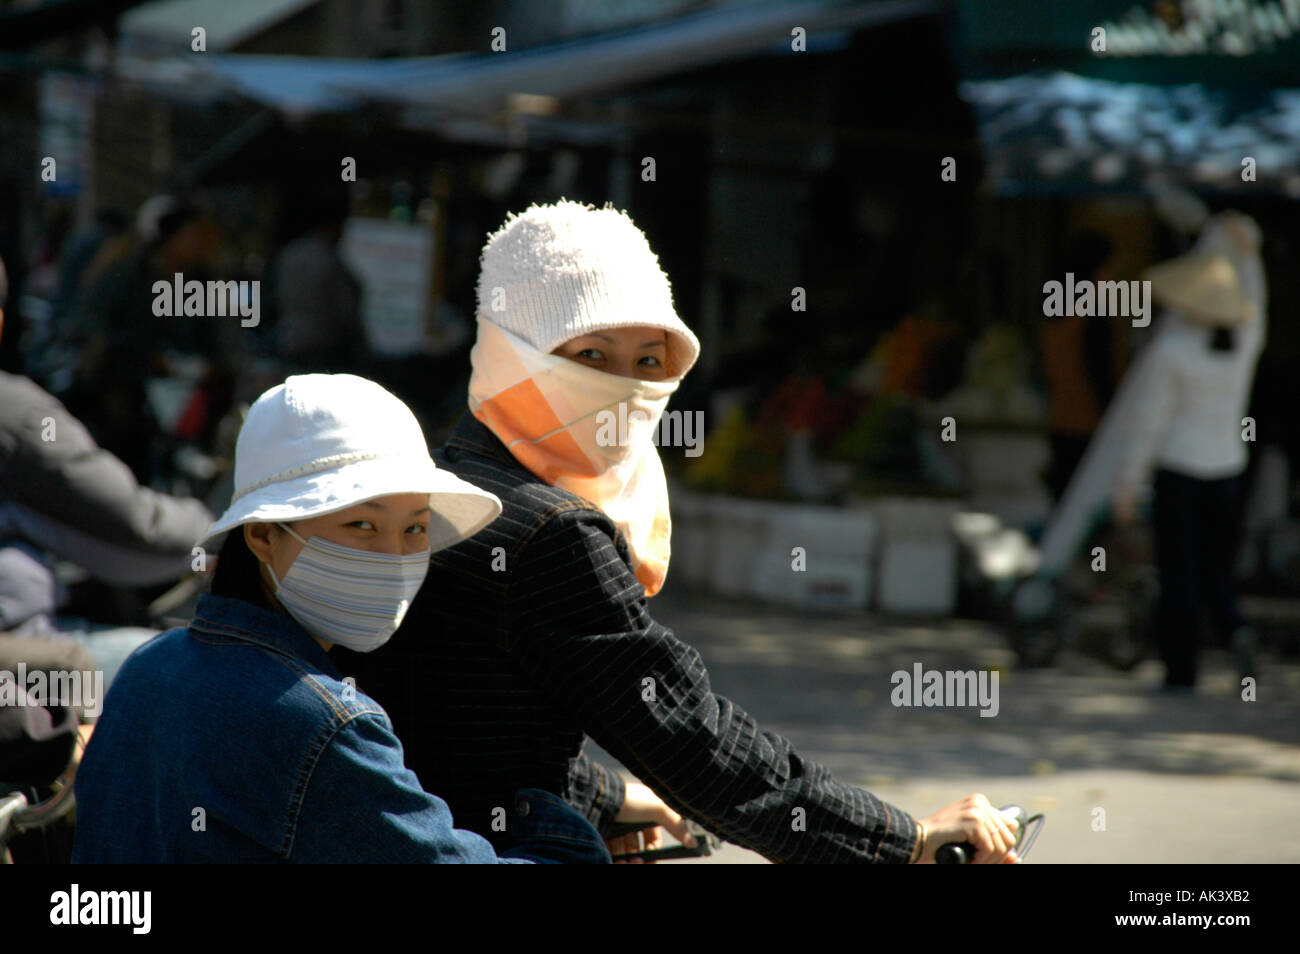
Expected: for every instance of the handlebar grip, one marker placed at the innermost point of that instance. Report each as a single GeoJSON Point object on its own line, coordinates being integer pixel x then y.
{"type": "Point", "coordinates": [963, 852]}
{"type": "Point", "coordinates": [955, 853]}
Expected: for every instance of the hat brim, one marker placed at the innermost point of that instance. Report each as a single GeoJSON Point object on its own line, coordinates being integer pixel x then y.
{"type": "Point", "coordinates": [458, 508]}
{"type": "Point", "coordinates": [1203, 288]}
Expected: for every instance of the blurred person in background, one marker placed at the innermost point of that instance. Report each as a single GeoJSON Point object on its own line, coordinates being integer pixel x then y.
{"type": "Point", "coordinates": [1195, 388]}
{"type": "Point", "coordinates": [1080, 364]}
{"type": "Point", "coordinates": [62, 496]}
{"type": "Point", "coordinates": [78, 252]}
{"type": "Point", "coordinates": [536, 631]}
{"type": "Point", "coordinates": [57, 360]}
{"type": "Point", "coordinates": [315, 295]}
{"type": "Point", "coordinates": [123, 342]}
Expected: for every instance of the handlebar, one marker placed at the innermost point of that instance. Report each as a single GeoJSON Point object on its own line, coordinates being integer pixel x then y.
{"type": "Point", "coordinates": [705, 843]}
{"type": "Point", "coordinates": [950, 853]}
{"type": "Point", "coordinates": [19, 814]}
{"type": "Point", "coordinates": [963, 852]}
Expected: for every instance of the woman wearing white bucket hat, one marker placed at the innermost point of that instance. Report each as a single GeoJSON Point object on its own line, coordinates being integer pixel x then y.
{"type": "Point", "coordinates": [540, 631]}
{"type": "Point", "coordinates": [237, 738]}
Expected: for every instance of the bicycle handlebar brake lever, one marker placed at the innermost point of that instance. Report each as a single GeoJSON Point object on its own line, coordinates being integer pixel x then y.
{"type": "Point", "coordinates": [963, 852]}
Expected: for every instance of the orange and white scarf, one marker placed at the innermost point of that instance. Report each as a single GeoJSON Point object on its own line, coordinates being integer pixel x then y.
{"type": "Point", "coordinates": [548, 411]}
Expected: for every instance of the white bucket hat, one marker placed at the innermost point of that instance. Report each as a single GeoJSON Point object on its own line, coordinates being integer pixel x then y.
{"type": "Point", "coordinates": [320, 443]}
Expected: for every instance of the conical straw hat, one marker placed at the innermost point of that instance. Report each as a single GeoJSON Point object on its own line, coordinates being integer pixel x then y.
{"type": "Point", "coordinates": [1204, 288]}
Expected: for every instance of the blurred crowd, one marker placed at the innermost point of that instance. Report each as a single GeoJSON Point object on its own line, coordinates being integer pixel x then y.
{"type": "Point", "coordinates": [84, 341]}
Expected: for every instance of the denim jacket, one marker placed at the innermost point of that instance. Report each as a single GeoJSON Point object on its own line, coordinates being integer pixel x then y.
{"type": "Point", "coordinates": [238, 740]}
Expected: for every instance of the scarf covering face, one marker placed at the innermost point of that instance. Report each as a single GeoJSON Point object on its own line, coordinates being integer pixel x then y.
{"type": "Point", "coordinates": [547, 410]}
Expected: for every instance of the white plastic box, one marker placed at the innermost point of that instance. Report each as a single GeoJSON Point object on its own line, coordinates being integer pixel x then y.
{"type": "Point", "coordinates": [917, 572]}
{"type": "Point", "coordinates": [738, 528]}
{"type": "Point", "coordinates": [918, 576]}
{"type": "Point", "coordinates": [742, 548]}
{"type": "Point", "coordinates": [692, 539]}
{"type": "Point", "coordinates": [837, 547]}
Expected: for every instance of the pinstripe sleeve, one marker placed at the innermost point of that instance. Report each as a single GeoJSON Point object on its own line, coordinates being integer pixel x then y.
{"type": "Point", "coordinates": [595, 791]}
{"type": "Point", "coordinates": [579, 626]}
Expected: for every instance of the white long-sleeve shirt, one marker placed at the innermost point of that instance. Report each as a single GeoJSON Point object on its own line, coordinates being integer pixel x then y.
{"type": "Point", "coordinates": [1191, 405]}
{"type": "Point", "coordinates": [1191, 399]}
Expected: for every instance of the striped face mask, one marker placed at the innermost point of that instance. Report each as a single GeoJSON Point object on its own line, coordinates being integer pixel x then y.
{"type": "Point", "coordinates": [352, 598]}
{"type": "Point", "coordinates": [586, 431]}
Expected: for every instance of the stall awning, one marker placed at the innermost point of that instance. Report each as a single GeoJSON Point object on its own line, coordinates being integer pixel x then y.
{"type": "Point", "coordinates": [461, 86]}
{"type": "Point", "coordinates": [1063, 133]}
{"type": "Point", "coordinates": [225, 24]}
{"type": "Point", "coordinates": [1205, 95]}
{"type": "Point", "coordinates": [1223, 43]}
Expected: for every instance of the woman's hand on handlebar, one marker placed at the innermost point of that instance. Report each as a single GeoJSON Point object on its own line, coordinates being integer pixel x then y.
{"type": "Point", "coordinates": [972, 819]}
{"type": "Point", "coordinates": [640, 804]}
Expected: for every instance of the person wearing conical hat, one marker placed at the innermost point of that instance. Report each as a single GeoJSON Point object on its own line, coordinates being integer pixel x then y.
{"type": "Point", "coordinates": [1196, 381]}
{"type": "Point", "coordinates": [541, 634]}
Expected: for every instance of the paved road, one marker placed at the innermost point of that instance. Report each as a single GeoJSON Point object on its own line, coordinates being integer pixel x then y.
{"type": "Point", "coordinates": [1207, 778]}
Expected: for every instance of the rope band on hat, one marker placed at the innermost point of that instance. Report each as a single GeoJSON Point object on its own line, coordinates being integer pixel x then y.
{"type": "Point", "coordinates": [322, 463]}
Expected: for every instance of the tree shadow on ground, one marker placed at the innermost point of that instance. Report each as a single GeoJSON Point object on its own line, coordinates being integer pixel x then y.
{"type": "Point", "coordinates": [825, 682]}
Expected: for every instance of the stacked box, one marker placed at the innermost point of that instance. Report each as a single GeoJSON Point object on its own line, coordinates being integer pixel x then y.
{"type": "Point", "coordinates": [692, 539]}
{"type": "Point", "coordinates": [738, 528]}
{"type": "Point", "coordinates": [831, 570]}
{"type": "Point", "coordinates": [917, 572]}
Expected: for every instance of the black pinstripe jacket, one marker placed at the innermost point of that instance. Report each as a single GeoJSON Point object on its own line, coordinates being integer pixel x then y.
{"type": "Point", "coordinates": [534, 632]}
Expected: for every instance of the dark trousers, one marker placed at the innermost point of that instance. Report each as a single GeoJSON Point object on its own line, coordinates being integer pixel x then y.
{"type": "Point", "coordinates": [1196, 524]}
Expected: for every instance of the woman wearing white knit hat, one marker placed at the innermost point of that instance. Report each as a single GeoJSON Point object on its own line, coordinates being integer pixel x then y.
{"type": "Point", "coordinates": [540, 632]}
{"type": "Point", "coordinates": [237, 738]}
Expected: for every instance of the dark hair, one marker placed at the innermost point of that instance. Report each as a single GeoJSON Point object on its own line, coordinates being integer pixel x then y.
{"type": "Point", "coordinates": [174, 219]}
{"type": "Point", "coordinates": [114, 220]}
{"type": "Point", "coordinates": [1223, 340]}
{"type": "Point", "coordinates": [238, 574]}
{"type": "Point", "coordinates": [1086, 251]}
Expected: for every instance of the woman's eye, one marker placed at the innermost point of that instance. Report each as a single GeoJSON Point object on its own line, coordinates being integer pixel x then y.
{"type": "Point", "coordinates": [654, 362]}
{"type": "Point", "coordinates": [362, 524]}
{"type": "Point", "coordinates": [590, 354]}
{"type": "Point", "coordinates": [417, 528]}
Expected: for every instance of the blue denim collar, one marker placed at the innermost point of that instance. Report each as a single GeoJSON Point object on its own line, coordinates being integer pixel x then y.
{"type": "Point", "coordinates": [278, 632]}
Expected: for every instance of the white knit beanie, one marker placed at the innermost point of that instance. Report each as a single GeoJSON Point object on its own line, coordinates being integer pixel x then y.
{"type": "Point", "coordinates": [559, 271]}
